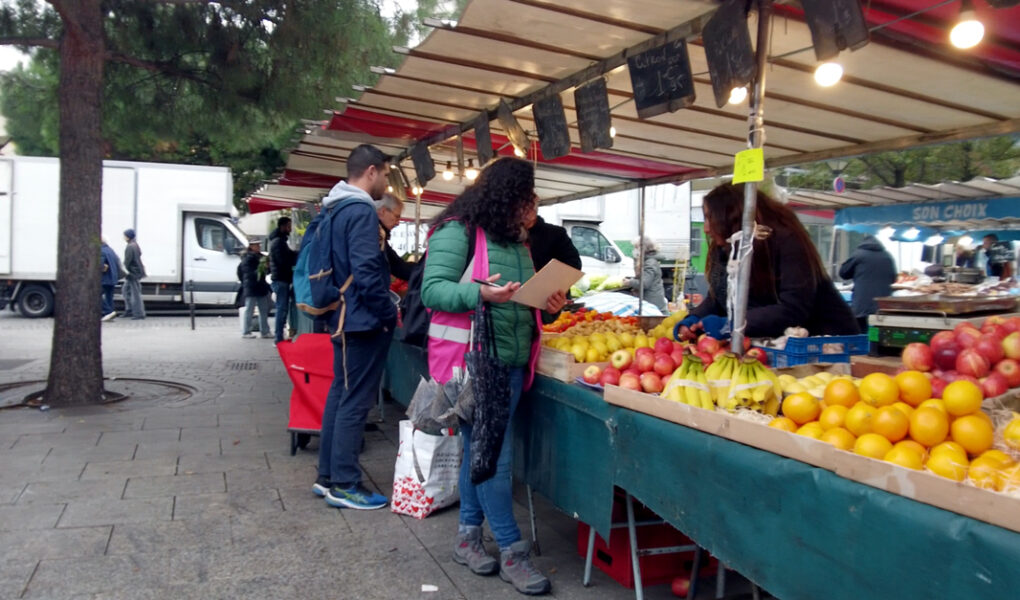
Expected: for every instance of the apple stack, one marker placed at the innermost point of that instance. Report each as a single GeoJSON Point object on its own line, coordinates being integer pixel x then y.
{"type": "Point", "coordinates": [645, 369]}
{"type": "Point", "coordinates": [988, 357]}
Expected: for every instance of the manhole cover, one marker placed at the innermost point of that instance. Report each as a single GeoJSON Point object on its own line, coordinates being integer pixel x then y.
{"type": "Point", "coordinates": [13, 363]}
{"type": "Point", "coordinates": [30, 393]}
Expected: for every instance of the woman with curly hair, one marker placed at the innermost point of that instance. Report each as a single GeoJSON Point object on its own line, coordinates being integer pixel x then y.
{"type": "Point", "coordinates": [486, 223]}
{"type": "Point", "coordinates": [789, 285]}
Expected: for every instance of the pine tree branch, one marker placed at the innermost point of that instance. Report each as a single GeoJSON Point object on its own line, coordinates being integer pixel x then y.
{"type": "Point", "coordinates": [162, 68]}
{"type": "Point", "coordinates": [38, 42]}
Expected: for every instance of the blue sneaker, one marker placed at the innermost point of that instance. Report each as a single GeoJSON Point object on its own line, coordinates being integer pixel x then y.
{"type": "Point", "coordinates": [357, 497]}
{"type": "Point", "coordinates": [321, 486]}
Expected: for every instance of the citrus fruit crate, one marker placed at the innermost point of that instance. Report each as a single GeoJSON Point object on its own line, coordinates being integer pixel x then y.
{"type": "Point", "coordinates": [807, 350]}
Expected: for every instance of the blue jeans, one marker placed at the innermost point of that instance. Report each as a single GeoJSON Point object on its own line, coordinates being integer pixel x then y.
{"type": "Point", "coordinates": [249, 307]}
{"type": "Point", "coordinates": [107, 299]}
{"type": "Point", "coordinates": [347, 406]}
{"type": "Point", "coordinates": [282, 291]}
{"type": "Point", "coordinates": [133, 303]}
{"type": "Point", "coordinates": [492, 499]}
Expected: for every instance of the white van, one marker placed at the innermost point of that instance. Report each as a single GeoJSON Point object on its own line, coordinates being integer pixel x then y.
{"type": "Point", "coordinates": [599, 254]}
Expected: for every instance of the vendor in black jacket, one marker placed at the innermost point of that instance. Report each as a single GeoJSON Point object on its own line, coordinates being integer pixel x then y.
{"type": "Point", "coordinates": [388, 209]}
{"type": "Point", "coordinates": [789, 286]}
{"type": "Point", "coordinates": [548, 242]}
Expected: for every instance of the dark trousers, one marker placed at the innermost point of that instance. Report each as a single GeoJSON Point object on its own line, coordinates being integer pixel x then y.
{"type": "Point", "coordinates": [107, 299]}
{"type": "Point", "coordinates": [282, 291]}
{"type": "Point", "coordinates": [347, 406]}
{"type": "Point", "coordinates": [862, 323]}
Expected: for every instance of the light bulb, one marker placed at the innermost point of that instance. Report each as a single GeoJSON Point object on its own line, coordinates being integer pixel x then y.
{"type": "Point", "coordinates": [612, 132]}
{"type": "Point", "coordinates": [965, 241]}
{"type": "Point", "coordinates": [911, 234]}
{"type": "Point", "coordinates": [828, 74]}
{"type": "Point", "coordinates": [738, 95]}
{"type": "Point", "coordinates": [968, 32]}
{"type": "Point", "coordinates": [389, 189]}
{"type": "Point", "coordinates": [448, 173]}
{"type": "Point", "coordinates": [472, 173]}
{"type": "Point", "coordinates": [934, 240]}
{"type": "Point", "coordinates": [517, 152]}
{"type": "Point", "coordinates": [886, 232]}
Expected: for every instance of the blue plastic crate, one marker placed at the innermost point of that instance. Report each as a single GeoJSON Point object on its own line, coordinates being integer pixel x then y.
{"type": "Point", "coordinates": [802, 351]}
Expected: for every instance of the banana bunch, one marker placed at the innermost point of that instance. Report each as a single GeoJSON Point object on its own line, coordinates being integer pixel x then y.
{"type": "Point", "coordinates": [720, 375]}
{"type": "Point", "coordinates": [689, 384]}
{"type": "Point", "coordinates": [753, 386]}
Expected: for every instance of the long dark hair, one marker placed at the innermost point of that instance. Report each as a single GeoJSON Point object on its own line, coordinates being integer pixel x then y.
{"type": "Point", "coordinates": [496, 201]}
{"type": "Point", "coordinates": [724, 210]}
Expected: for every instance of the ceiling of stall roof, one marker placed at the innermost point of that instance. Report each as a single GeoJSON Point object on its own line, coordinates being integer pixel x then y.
{"type": "Point", "coordinates": [908, 87]}
{"type": "Point", "coordinates": [975, 189]}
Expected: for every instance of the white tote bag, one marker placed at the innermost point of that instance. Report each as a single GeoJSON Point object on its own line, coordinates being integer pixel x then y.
{"type": "Point", "coordinates": [426, 473]}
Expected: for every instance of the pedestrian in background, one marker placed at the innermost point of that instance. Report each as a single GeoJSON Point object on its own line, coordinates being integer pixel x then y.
{"type": "Point", "coordinates": [363, 327]}
{"type": "Point", "coordinates": [281, 264]}
{"type": "Point", "coordinates": [648, 274]}
{"type": "Point", "coordinates": [134, 306]}
{"type": "Point", "coordinates": [256, 290]}
{"type": "Point", "coordinates": [873, 272]}
{"type": "Point", "coordinates": [999, 256]}
{"type": "Point", "coordinates": [389, 209]}
{"type": "Point", "coordinates": [548, 241]}
{"type": "Point", "coordinates": [112, 270]}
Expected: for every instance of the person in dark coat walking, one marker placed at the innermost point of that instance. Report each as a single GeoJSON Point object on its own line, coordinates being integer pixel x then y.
{"type": "Point", "coordinates": [134, 306]}
{"type": "Point", "coordinates": [256, 290]}
{"type": "Point", "coordinates": [113, 270]}
{"type": "Point", "coordinates": [873, 272]}
{"type": "Point", "coordinates": [789, 286]}
{"type": "Point", "coordinates": [281, 265]}
{"type": "Point", "coordinates": [547, 242]}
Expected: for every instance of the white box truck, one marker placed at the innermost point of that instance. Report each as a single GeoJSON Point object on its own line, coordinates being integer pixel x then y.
{"type": "Point", "coordinates": [180, 213]}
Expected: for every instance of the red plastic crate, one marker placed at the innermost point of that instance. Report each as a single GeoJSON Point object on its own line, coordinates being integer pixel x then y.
{"type": "Point", "coordinates": [614, 559]}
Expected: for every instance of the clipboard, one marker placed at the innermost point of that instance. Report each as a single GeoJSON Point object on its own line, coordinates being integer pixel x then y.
{"type": "Point", "coordinates": [554, 276]}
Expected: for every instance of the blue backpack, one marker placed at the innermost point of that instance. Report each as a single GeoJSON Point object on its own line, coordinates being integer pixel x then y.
{"type": "Point", "coordinates": [315, 288]}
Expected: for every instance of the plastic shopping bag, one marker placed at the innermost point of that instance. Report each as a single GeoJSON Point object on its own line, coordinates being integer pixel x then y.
{"type": "Point", "coordinates": [426, 472]}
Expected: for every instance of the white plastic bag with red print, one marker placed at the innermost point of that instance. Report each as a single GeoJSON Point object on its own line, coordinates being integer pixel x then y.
{"type": "Point", "coordinates": [426, 473]}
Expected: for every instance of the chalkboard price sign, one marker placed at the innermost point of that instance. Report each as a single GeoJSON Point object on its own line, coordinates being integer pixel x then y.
{"type": "Point", "coordinates": [483, 140]}
{"type": "Point", "coordinates": [835, 25]}
{"type": "Point", "coordinates": [423, 166]}
{"type": "Point", "coordinates": [551, 122]}
{"type": "Point", "coordinates": [728, 50]}
{"type": "Point", "coordinates": [591, 101]}
{"type": "Point", "coordinates": [661, 79]}
{"type": "Point", "coordinates": [513, 129]}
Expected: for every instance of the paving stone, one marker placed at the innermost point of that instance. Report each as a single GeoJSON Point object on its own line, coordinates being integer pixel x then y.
{"type": "Point", "coordinates": [130, 438]}
{"type": "Point", "coordinates": [145, 538]}
{"type": "Point", "coordinates": [233, 432]}
{"type": "Point", "coordinates": [67, 439]}
{"type": "Point", "coordinates": [9, 492]}
{"type": "Point", "coordinates": [267, 443]}
{"type": "Point", "coordinates": [176, 421]}
{"type": "Point", "coordinates": [94, 454]}
{"type": "Point", "coordinates": [175, 449]}
{"type": "Point", "coordinates": [57, 471]}
{"type": "Point", "coordinates": [85, 513]}
{"type": "Point", "coordinates": [62, 492]}
{"type": "Point", "coordinates": [130, 468]}
{"type": "Point", "coordinates": [54, 543]}
{"type": "Point", "coordinates": [299, 479]}
{"type": "Point", "coordinates": [175, 485]}
{"type": "Point", "coordinates": [30, 516]}
{"type": "Point", "coordinates": [14, 576]}
{"type": "Point", "coordinates": [22, 428]}
{"type": "Point", "coordinates": [225, 505]}
{"type": "Point", "coordinates": [116, 575]}
{"type": "Point", "coordinates": [218, 464]}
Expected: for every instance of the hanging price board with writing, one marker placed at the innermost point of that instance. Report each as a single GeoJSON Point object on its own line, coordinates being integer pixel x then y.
{"type": "Point", "coordinates": [749, 165]}
{"type": "Point", "coordinates": [661, 79]}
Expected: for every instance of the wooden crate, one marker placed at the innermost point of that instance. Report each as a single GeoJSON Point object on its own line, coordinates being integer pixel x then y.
{"type": "Point", "coordinates": [561, 365]}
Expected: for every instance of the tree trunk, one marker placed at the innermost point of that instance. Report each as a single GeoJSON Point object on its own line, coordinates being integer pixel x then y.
{"type": "Point", "coordinates": [76, 364]}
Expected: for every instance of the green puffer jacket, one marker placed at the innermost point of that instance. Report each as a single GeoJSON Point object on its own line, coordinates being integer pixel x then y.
{"type": "Point", "coordinates": [441, 288]}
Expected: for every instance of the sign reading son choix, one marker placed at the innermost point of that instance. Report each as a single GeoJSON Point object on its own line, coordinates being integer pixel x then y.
{"type": "Point", "coordinates": [932, 213]}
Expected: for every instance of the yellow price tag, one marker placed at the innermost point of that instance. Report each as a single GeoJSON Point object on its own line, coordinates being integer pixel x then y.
{"type": "Point", "coordinates": [749, 165]}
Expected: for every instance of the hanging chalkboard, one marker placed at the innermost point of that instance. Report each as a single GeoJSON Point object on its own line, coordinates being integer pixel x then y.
{"type": "Point", "coordinates": [591, 102]}
{"type": "Point", "coordinates": [728, 50]}
{"type": "Point", "coordinates": [551, 122]}
{"type": "Point", "coordinates": [423, 166]}
{"type": "Point", "coordinates": [661, 79]}
{"type": "Point", "coordinates": [483, 140]}
{"type": "Point", "coordinates": [513, 129]}
{"type": "Point", "coordinates": [835, 25]}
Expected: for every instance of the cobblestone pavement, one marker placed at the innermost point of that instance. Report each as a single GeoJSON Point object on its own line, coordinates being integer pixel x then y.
{"type": "Point", "coordinates": [177, 496]}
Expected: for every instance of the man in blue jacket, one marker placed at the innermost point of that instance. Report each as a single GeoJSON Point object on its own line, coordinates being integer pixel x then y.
{"type": "Point", "coordinates": [113, 270]}
{"type": "Point", "coordinates": [362, 337]}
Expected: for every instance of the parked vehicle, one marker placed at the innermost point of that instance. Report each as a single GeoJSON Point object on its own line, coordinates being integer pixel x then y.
{"type": "Point", "coordinates": [180, 213]}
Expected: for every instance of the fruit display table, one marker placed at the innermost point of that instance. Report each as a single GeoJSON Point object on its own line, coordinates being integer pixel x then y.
{"type": "Point", "coordinates": [798, 531]}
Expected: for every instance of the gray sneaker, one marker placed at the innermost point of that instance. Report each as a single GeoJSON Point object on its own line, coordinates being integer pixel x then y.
{"type": "Point", "coordinates": [471, 552]}
{"type": "Point", "coordinates": [515, 567]}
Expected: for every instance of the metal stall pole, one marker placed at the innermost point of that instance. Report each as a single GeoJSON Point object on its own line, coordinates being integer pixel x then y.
{"type": "Point", "coordinates": [641, 251]}
{"type": "Point", "coordinates": [417, 224]}
{"type": "Point", "coordinates": [755, 139]}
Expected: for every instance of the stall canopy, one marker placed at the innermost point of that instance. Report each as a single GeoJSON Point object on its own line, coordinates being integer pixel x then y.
{"type": "Point", "coordinates": [978, 188]}
{"type": "Point", "coordinates": [907, 87]}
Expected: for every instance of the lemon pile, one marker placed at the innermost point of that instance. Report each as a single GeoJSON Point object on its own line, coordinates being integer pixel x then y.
{"type": "Point", "coordinates": [597, 346]}
{"type": "Point", "coordinates": [812, 384]}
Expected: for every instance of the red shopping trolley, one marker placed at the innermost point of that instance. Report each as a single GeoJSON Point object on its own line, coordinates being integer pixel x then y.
{"type": "Point", "coordinates": [309, 364]}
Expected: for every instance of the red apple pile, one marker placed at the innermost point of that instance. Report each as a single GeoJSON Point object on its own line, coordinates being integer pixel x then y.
{"type": "Point", "coordinates": [988, 356]}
